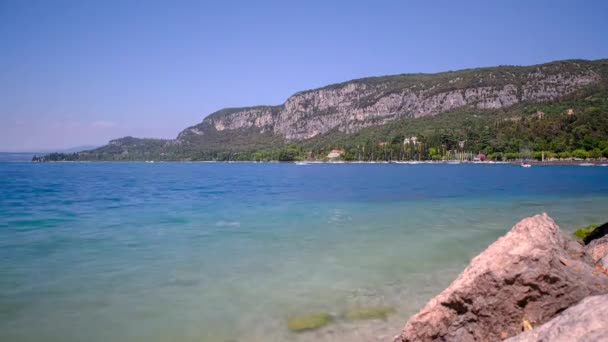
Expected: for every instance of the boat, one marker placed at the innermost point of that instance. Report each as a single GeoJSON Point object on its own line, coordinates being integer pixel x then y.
{"type": "Point", "coordinates": [302, 163]}
{"type": "Point", "coordinates": [525, 165]}
{"type": "Point", "coordinates": [603, 164]}
{"type": "Point", "coordinates": [585, 164]}
{"type": "Point", "coordinates": [453, 162]}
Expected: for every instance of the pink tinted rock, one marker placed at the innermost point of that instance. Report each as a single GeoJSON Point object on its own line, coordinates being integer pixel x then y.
{"type": "Point", "coordinates": [533, 272]}
{"type": "Point", "coordinates": [583, 322]}
{"type": "Point", "coordinates": [598, 251]}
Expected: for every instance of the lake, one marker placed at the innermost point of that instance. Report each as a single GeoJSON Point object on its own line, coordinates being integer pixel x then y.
{"type": "Point", "coordinates": [229, 251]}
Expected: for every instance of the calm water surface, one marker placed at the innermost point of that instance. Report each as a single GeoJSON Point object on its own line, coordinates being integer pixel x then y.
{"type": "Point", "coordinates": [226, 252]}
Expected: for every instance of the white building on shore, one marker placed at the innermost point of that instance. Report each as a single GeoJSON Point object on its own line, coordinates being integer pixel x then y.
{"type": "Point", "coordinates": [411, 140]}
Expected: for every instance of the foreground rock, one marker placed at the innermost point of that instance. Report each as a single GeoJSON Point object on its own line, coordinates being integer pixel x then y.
{"type": "Point", "coordinates": [584, 322]}
{"type": "Point", "coordinates": [532, 273]}
{"type": "Point", "coordinates": [598, 251]}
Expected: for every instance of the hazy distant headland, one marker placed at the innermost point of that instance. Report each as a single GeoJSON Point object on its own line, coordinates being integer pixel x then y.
{"type": "Point", "coordinates": [556, 110]}
{"type": "Point", "coordinates": [25, 156]}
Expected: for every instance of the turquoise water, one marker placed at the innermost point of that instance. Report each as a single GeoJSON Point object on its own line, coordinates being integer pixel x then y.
{"type": "Point", "coordinates": [226, 252]}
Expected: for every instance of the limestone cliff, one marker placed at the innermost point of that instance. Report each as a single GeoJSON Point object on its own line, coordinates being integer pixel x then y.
{"type": "Point", "coordinates": [326, 117]}
{"type": "Point", "coordinates": [351, 106]}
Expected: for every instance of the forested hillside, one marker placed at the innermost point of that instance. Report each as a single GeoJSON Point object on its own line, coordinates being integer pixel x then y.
{"type": "Point", "coordinates": [559, 108]}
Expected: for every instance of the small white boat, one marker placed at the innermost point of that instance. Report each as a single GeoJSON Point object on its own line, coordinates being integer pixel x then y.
{"type": "Point", "coordinates": [585, 164]}
{"type": "Point", "coordinates": [302, 163]}
{"type": "Point", "coordinates": [453, 162]}
{"type": "Point", "coordinates": [525, 165]}
{"type": "Point", "coordinates": [603, 164]}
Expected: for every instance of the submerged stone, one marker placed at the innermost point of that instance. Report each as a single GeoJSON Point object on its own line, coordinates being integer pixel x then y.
{"type": "Point", "coordinates": [308, 322]}
{"type": "Point", "coordinates": [595, 233]}
{"type": "Point", "coordinates": [583, 232]}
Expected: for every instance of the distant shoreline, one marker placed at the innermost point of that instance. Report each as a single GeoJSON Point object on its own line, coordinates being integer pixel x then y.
{"type": "Point", "coordinates": [565, 162]}
{"type": "Point", "coordinates": [304, 163]}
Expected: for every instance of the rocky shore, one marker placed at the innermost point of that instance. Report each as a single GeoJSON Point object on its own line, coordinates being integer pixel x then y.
{"type": "Point", "coordinates": [533, 284]}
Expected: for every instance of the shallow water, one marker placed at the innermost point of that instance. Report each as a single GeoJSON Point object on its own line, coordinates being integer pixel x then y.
{"type": "Point", "coordinates": [226, 252]}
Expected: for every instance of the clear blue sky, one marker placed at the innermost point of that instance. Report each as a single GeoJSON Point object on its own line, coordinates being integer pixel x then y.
{"type": "Point", "coordinates": [83, 72]}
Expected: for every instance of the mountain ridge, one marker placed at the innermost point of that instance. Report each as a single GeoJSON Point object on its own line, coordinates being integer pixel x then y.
{"type": "Point", "coordinates": [351, 106]}
{"type": "Point", "coordinates": [377, 98]}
